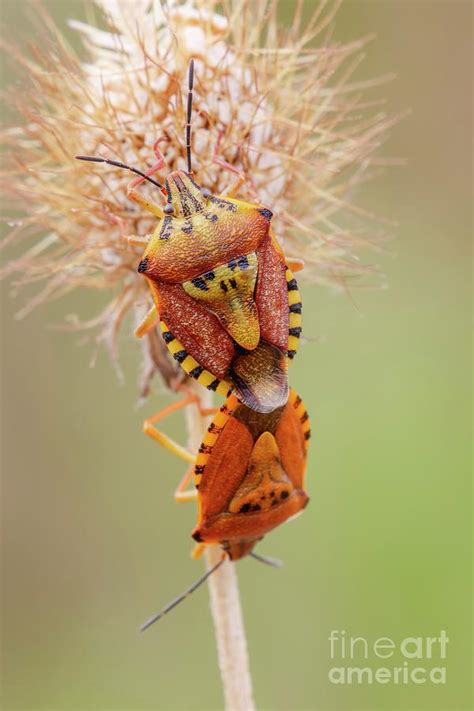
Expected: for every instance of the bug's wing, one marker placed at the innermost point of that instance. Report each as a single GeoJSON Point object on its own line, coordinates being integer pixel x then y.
{"type": "Point", "coordinates": [292, 436]}
{"type": "Point", "coordinates": [225, 468]}
{"type": "Point", "coordinates": [264, 499]}
{"type": "Point", "coordinates": [260, 378]}
{"type": "Point", "coordinates": [197, 328]}
{"type": "Point", "coordinates": [271, 296]}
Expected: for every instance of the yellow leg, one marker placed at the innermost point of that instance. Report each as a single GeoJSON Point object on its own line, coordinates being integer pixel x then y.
{"type": "Point", "coordinates": [294, 264]}
{"type": "Point", "coordinates": [137, 241]}
{"type": "Point", "coordinates": [148, 323]}
{"type": "Point", "coordinates": [133, 194]}
{"type": "Point", "coordinates": [183, 494]}
{"type": "Point", "coordinates": [197, 551]}
{"type": "Point", "coordinates": [163, 439]}
{"type": "Point", "coordinates": [206, 411]}
{"type": "Point", "coordinates": [234, 187]}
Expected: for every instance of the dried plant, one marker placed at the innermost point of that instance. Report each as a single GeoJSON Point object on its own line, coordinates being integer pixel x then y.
{"type": "Point", "coordinates": [279, 105]}
{"type": "Point", "coordinates": [281, 102]}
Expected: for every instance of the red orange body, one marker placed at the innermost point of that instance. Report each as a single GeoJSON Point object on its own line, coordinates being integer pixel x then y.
{"type": "Point", "coordinates": [224, 293]}
{"type": "Point", "coordinates": [250, 473]}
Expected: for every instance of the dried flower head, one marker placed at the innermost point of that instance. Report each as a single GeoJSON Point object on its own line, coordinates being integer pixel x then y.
{"type": "Point", "coordinates": [277, 105]}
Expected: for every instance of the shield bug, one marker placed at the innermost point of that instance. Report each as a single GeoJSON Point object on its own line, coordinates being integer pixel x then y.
{"type": "Point", "coordinates": [249, 475]}
{"type": "Point", "coordinates": [227, 301]}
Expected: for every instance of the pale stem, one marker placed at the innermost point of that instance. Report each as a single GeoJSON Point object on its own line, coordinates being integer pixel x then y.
{"type": "Point", "coordinates": [224, 598]}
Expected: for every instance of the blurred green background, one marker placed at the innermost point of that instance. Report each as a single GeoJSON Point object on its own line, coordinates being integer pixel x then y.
{"type": "Point", "coordinates": [92, 541]}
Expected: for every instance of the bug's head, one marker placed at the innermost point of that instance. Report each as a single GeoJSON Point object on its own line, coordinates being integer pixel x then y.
{"type": "Point", "coordinates": [185, 197]}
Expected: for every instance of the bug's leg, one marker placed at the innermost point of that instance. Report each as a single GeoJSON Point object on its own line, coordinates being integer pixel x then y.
{"type": "Point", "coordinates": [149, 322]}
{"type": "Point", "coordinates": [183, 494]}
{"type": "Point", "coordinates": [295, 264]}
{"type": "Point", "coordinates": [163, 439]}
{"type": "Point", "coordinates": [206, 411]}
{"type": "Point", "coordinates": [132, 191]}
{"type": "Point", "coordinates": [234, 187]}
{"type": "Point", "coordinates": [197, 551]}
{"type": "Point", "coordinates": [137, 241]}
{"type": "Point", "coordinates": [134, 195]}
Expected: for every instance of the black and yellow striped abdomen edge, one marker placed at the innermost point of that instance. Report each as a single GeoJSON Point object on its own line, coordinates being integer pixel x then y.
{"type": "Point", "coordinates": [191, 366]}
{"type": "Point", "coordinates": [295, 318]}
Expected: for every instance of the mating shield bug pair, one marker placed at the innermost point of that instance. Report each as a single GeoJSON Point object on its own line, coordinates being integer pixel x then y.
{"type": "Point", "coordinates": [230, 314]}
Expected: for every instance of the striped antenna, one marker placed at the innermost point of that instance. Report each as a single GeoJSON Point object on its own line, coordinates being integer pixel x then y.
{"type": "Point", "coordinates": [181, 597]}
{"type": "Point", "coordinates": [189, 113]}
{"type": "Point", "coordinates": [118, 164]}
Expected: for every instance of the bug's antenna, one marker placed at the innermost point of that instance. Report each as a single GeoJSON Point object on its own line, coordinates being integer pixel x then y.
{"type": "Point", "coordinates": [189, 113]}
{"type": "Point", "coordinates": [274, 562]}
{"type": "Point", "coordinates": [181, 597]}
{"type": "Point", "coordinates": [118, 164]}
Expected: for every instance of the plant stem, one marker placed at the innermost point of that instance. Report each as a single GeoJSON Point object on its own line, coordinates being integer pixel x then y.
{"type": "Point", "coordinates": [224, 599]}
{"type": "Point", "coordinates": [230, 634]}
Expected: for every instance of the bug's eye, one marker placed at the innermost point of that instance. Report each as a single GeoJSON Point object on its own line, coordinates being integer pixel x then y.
{"type": "Point", "coordinates": [168, 209]}
{"type": "Point", "coordinates": [206, 192]}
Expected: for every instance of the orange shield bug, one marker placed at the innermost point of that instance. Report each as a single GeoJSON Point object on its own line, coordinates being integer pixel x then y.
{"type": "Point", "coordinates": [227, 301]}
{"type": "Point", "coordinates": [249, 475]}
